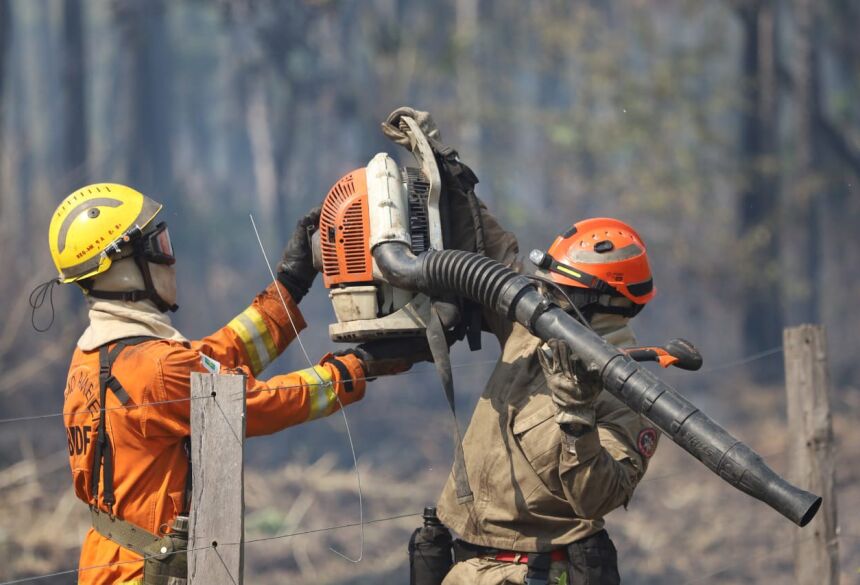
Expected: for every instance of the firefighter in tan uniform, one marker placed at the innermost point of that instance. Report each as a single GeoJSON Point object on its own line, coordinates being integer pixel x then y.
{"type": "Point", "coordinates": [131, 371]}
{"type": "Point", "coordinates": [548, 454]}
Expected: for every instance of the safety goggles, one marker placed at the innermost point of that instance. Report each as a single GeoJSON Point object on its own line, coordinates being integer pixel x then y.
{"type": "Point", "coordinates": [157, 247]}
{"type": "Point", "coordinates": [154, 245]}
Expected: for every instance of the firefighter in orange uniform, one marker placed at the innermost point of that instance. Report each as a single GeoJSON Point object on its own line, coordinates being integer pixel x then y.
{"type": "Point", "coordinates": [127, 393]}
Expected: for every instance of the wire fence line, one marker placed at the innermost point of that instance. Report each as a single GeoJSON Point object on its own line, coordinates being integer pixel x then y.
{"type": "Point", "coordinates": [211, 546]}
{"type": "Point", "coordinates": [754, 357]}
{"type": "Point", "coordinates": [92, 567]}
{"type": "Point", "coordinates": [86, 411]}
{"type": "Point", "coordinates": [417, 371]}
{"type": "Point", "coordinates": [276, 388]}
{"type": "Point", "coordinates": [646, 480]}
{"type": "Point", "coordinates": [743, 361]}
{"type": "Point", "coordinates": [699, 579]}
{"type": "Point", "coordinates": [326, 529]}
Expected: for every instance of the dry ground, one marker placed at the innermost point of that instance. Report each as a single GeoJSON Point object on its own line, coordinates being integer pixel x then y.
{"type": "Point", "coordinates": [684, 525]}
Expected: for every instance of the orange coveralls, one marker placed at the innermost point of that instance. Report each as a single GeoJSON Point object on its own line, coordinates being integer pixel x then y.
{"type": "Point", "coordinates": [148, 434]}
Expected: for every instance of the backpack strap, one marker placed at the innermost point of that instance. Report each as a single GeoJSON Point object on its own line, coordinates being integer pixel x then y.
{"type": "Point", "coordinates": [459, 181]}
{"type": "Point", "coordinates": [164, 556]}
{"type": "Point", "coordinates": [103, 454]}
{"type": "Point", "coordinates": [442, 359]}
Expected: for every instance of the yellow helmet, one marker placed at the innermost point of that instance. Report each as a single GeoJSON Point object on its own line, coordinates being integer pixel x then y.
{"type": "Point", "coordinates": [90, 225]}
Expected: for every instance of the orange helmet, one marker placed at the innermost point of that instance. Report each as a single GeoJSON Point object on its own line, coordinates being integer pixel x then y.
{"type": "Point", "coordinates": [601, 254]}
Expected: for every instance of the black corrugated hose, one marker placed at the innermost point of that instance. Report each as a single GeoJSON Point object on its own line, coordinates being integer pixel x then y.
{"type": "Point", "coordinates": [500, 289]}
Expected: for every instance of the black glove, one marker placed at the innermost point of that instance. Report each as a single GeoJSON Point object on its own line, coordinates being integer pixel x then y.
{"type": "Point", "coordinates": [296, 270]}
{"type": "Point", "coordinates": [385, 357]}
{"type": "Point", "coordinates": [573, 386]}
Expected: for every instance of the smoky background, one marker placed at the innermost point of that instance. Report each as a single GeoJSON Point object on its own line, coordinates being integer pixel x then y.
{"type": "Point", "coordinates": [727, 133]}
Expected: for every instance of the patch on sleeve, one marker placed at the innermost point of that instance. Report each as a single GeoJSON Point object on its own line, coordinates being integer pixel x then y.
{"type": "Point", "coordinates": [212, 366]}
{"type": "Point", "coordinates": [647, 442]}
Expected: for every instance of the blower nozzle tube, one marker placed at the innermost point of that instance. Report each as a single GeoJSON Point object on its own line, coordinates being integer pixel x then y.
{"type": "Point", "coordinates": [499, 288]}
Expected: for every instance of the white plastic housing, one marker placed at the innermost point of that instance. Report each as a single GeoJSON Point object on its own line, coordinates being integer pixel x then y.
{"type": "Point", "coordinates": [354, 303]}
{"type": "Point", "coordinates": [387, 203]}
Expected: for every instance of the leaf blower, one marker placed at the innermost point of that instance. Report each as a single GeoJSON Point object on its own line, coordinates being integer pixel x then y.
{"type": "Point", "coordinates": [378, 203]}
{"type": "Point", "coordinates": [381, 250]}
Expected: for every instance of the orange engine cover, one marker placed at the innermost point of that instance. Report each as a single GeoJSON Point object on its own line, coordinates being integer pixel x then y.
{"type": "Point", "coordinates": [345, 232]}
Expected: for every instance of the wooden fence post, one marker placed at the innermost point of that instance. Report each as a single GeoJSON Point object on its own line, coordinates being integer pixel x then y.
{"type": "Point", "coordinates": [218, 499]}
{"type": "Point", "coordinates": [812, 467]}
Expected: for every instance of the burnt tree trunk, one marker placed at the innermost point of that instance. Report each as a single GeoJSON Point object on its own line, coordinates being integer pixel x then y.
{"type": "Point", "coordinates": [5, 30]}
{"type": "Point", "coordinates": [75, 137]}
{"type": "Point", "coordinates": [800, 267]}
{"type": "Point", "coordinates": [466, 29]}
{"type": "Point", "coordinates": [145, 78]}
{"type": "Point", "coordinates": [758, 200]}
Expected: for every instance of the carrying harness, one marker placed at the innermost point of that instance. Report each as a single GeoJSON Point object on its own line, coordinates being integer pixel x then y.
{"type": "Point", "coordinates": [164, 556]}
{"type": "Point", "coordinates": [458, 178]}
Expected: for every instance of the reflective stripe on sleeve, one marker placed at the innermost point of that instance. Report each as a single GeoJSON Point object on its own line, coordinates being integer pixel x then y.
{"type": "Point", "coordinates": [320, 391]}
{"type": "Point", "coordinates": [252, 330]}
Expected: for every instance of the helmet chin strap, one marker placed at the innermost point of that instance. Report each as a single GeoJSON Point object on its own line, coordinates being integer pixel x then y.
{"type": "Point", "coordinates": [160, 303]}
{"type": "Point", "coordinates": [148, 293]}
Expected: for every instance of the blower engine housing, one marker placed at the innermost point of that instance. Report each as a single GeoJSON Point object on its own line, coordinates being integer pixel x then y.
{"type": "Point", "coordinates": [371, 205]}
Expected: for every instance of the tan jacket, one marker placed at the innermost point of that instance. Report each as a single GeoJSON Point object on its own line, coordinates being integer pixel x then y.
{"type": "Point", "coordinates": [532, 493]}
